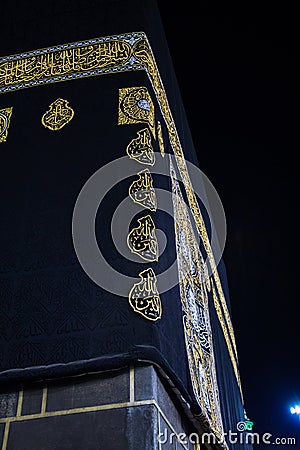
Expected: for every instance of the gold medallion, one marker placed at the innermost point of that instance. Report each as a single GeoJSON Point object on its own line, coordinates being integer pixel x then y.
{"type": "Point", "coordinates": [5, 115]}
{"type": "Point", "coordinates": [58, 115]}
{"type": "Point", "coordinates": [144, 297]}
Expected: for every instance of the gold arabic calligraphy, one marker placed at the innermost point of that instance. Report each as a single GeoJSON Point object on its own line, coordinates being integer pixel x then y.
{"type": "Point", "coordinates": [58, 115]}
{"type": "Point", "coordinates": [62, 62]}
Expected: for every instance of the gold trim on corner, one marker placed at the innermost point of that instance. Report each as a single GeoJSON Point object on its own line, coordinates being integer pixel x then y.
{"type": "Point", "coordinates": [20, 403]}
{"type": "Point", "coordinates": [44, 400]}
{"type": "Point", "coordinates": [67, 412]}
{"type": "Point", "coordinates": [5, 437]}
{"type": "Point", "coordinates": [131, 384]}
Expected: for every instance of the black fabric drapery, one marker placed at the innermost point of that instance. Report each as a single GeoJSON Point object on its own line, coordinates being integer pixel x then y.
{"type": "Point", "coordinates": [55, 321]}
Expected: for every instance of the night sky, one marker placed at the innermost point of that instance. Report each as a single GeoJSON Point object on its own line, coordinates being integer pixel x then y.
{"type": "Point", "coordinates": [239, 80]}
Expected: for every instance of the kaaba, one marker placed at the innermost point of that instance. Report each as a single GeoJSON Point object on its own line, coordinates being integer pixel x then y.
{"type": "Point", "coordinates": [115, 330]}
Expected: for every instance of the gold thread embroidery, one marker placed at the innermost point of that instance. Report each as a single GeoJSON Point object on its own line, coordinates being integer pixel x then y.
{"type": "Point", "coordinates": [58, 115]}
{"type": "Point", "coordinates": [144, 297]}
{"type": "Point", "coordinates": [108, 55]}
{"type": "Point", "coordinates": [141, 191]}
{"type": "Point", "coordinates": [64, 62]}
{"type": "Point", "coordinates": [196, 320]}
{"type": "Point", "coordinates": [136, 106]}
{"type": "Point", "coordinates": [142, 240]}
{"type": "Point", "coordinates": [5, 115]}
{"type": "Point", "coordinates": [160, 139]}
{"type": "Point", "coordinates": [140, 149]}
{"type": "Point", "coordinates": [142, 52]}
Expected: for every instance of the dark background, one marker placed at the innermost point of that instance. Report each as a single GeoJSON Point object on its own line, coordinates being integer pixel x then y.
{"type": "Point", "coordinates": [239, 80]}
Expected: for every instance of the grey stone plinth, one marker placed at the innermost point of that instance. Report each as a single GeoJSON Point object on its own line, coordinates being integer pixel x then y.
{"type": "Point", "coordinates": [128, 409]}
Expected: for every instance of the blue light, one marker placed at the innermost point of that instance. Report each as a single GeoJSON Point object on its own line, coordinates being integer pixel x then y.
{"type": "Point", "coordinates": [295, 410]}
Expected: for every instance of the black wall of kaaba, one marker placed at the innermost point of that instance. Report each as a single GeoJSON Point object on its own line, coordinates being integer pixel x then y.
{"type": "Point", "coordinates": [55, 321]}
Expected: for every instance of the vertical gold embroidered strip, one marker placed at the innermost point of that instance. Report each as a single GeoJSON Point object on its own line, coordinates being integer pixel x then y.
{"type": "Point", "coordinates": [160, 139]}
{"type": "Point", "coordinates": [143, 52]}
{"type": "Point", "coordinates": [196, 318]}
